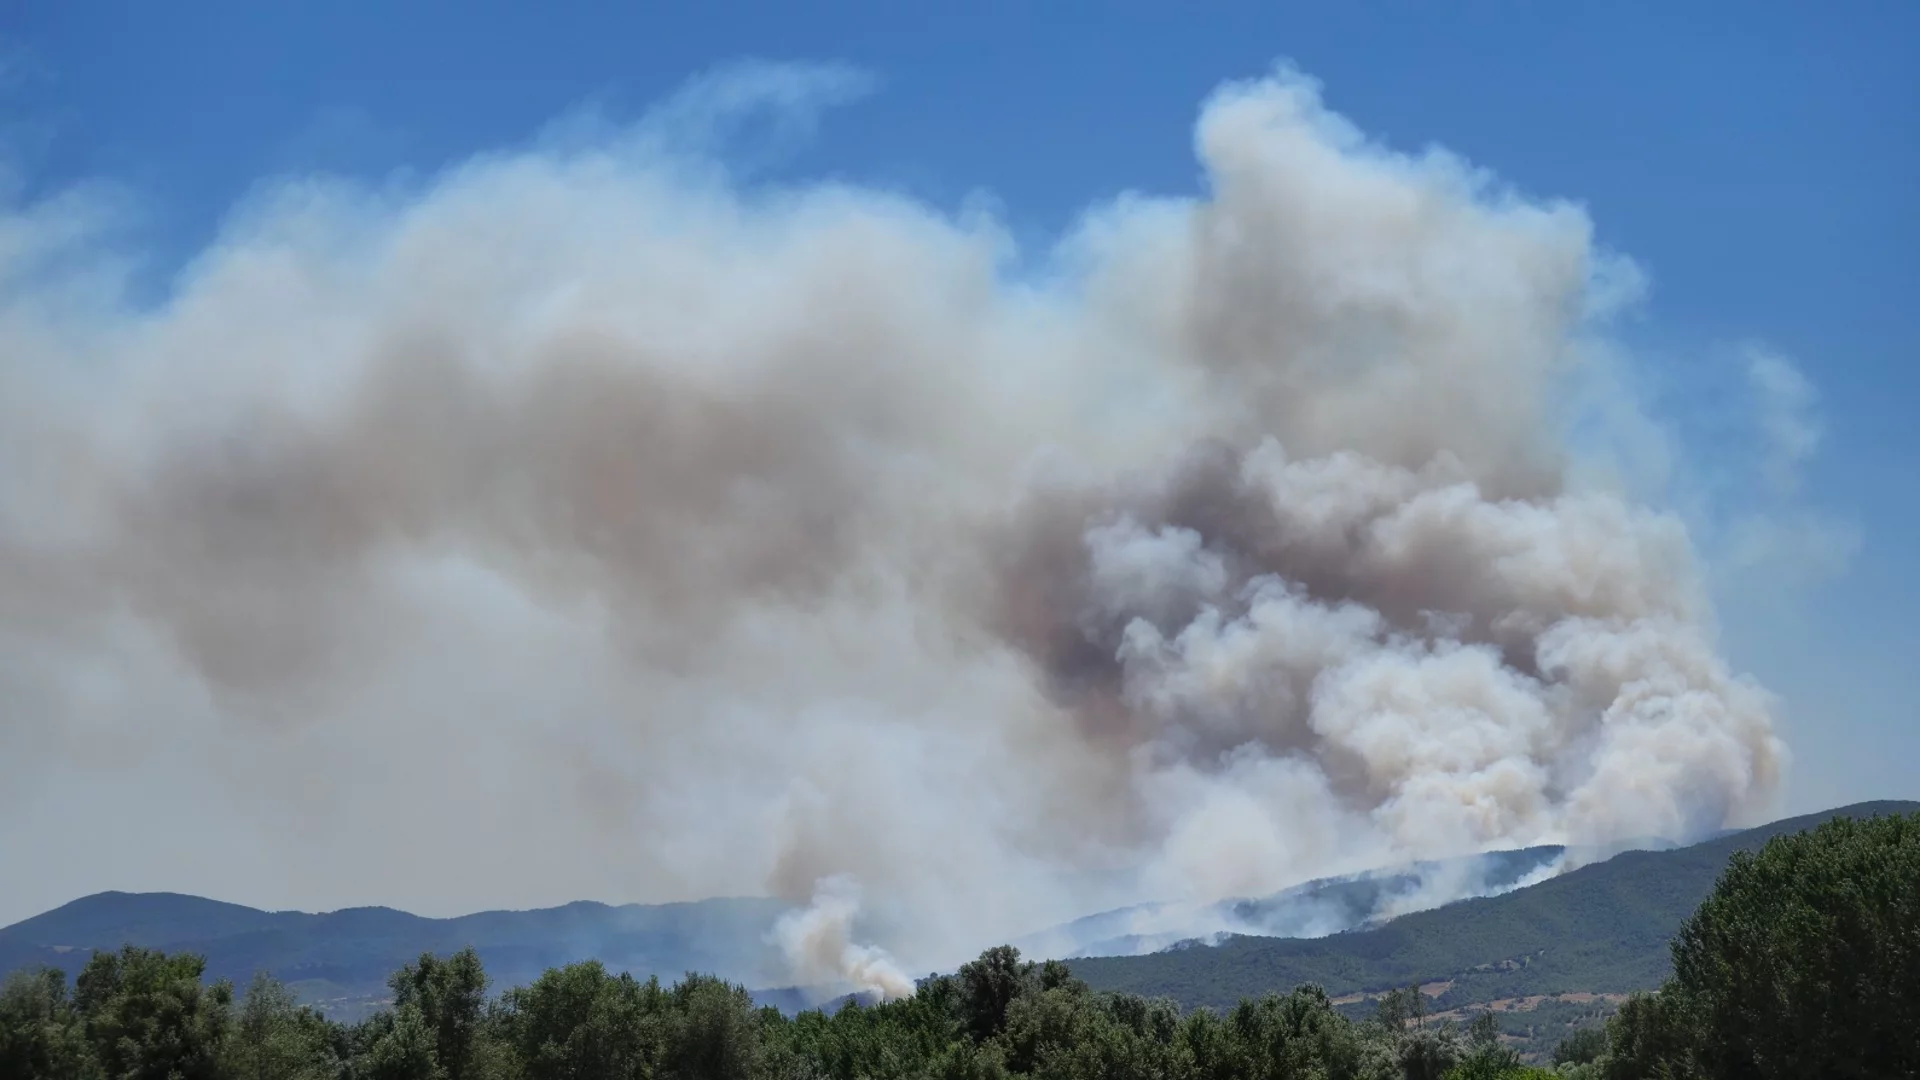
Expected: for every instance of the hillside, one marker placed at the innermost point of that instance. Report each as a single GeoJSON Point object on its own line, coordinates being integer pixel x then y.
{"type": "Point", "coordinates": [342, 959]}
{"type": "Point", "coordinates": [1601, 929]}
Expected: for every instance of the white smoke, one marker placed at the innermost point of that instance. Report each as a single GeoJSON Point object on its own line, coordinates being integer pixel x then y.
{"type": "Point", "coordinates": [1787, 415]}
{"type": "Point", "coordinates": [819, 946]}
{"type": "Point", "coordinates": [1310, 910]}
{"type": "Point", "coordinates": [661, 536]}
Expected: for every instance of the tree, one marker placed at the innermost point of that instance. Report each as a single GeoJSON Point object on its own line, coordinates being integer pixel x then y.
{"type": "Point", "coordinates": [1427, 1053]}
{"type": "Point", "coordinates": [40, 1033]}
{"type": "Point", "coordinates": [715, 1034]}
{"type": "Point", "coordinates": [988, 986]}
{"type": "Point", "coordinates": [1583, 1047]}
{"type": "Point", "coordinates": [276, 1038]}
{"type": "Point", "coordinates": [450, 996]}
{"type": "Point", "coordinates": [1298, 1035]}
{"type": "Point", "coordinates": [580, 1023]}
{"type": "Point", "coordinates": [1805, 960]}
{"type": "Point", "coordinates": [1487, 1058]}
{"type": "Point", "coordinates": [1397, 1008]}
{"type": "Point", "coordinates": [1649, 1039]}
{"type": "Point", "coordinates": [400, 1047]}
{"type": "Point", "coordinates": [147, 1016]}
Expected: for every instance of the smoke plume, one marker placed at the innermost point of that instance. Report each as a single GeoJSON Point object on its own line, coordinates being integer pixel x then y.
{"type": "Point", "coordinates": [819, 946]}
{"type": "Point", "coordinates": [589, 523]}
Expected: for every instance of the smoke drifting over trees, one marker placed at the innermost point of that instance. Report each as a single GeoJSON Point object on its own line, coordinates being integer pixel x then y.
{"type": "Point", "coordinates": [585, 523]}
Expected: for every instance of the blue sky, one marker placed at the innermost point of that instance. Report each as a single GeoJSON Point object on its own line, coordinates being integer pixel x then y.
{"type": "Point", "coordinates": [1757, 160]}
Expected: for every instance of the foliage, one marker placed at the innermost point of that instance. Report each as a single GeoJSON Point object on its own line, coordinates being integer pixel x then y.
{"type": "Point", "coordinates": [580, 1021]}
{"type": "Point", "coordinates": [1534, 1029]}
{"type": "Point", "coordinates": [1805, 961]}
{"type": "Point", "coordinates": [142, 1013]}
{"type": "Point", "coordinates": [1648, 1038]}
{"type": "Point", "coordinates": [450, 998]}
{"type": "Point", "coordinates": [399, 1046]}
{"type": "Point", "coordinates": [1583, 1047]}
{"type": "Point", "coordinates": [276, 1038]}
{"type": "Point", "coordinates": [40, 1033]}
{"type": "Point", "coordinates": [148, 1016]}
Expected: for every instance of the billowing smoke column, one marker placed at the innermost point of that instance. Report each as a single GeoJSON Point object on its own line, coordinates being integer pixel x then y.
{"type": "Point", "coordinates": [585, 524]}
{"type": "Point", "coordinates": [818, 942]}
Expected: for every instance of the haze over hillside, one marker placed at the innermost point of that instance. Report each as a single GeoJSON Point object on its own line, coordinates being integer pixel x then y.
{"type": "Point", "coordinates": [1312, 909]}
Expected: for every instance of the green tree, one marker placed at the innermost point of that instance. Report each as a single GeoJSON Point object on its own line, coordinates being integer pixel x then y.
{"type": "Point", "coordinates": [965, 1061]}
{"type": "Point", "coordinates": [1299, 1035]}
{"type": "Point", "coordinates": [1398, 1008]}
{"type": "Point", "coordinates": [398, 1046]}
{"type": "Point", "coordinates": [40, 1034]}
{"type": "Point", "coordinates": [1486, 1058]}
{"type": "Point", "coordinates": [988, 987]}
{"type": "Point", "coordinates": [1805, 960]}
{"type": "Point", "coordinates": [580, 1023]}
{"type": "Point", "coordinates": [1428, 1053]}
{"type": "Point", "coordinates": [450, 996]}
{"type": "Point", "coordinates": [147, 1016]}
{"type": "Point", "coordinates": [1037, 1025]}
{"type": "Point", "coordinates": [1475, 1068]}
{"type": "Point", "coordinates": [1138, 1037]}
{"type": "Point", "coordinates": [715, 1032]}
{"type": "Point", "coordinates": [1649, 1039]}
{"type": "Point", "coordinates": [276, 1038]}
{"type": "Point", "coordinates": [1583, 1047]}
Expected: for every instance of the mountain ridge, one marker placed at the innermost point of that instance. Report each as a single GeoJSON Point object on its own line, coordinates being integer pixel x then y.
{"type": "Point", "coordinates": [345, 956]}
{"type": "Point", "coordinates": [1601, 928]}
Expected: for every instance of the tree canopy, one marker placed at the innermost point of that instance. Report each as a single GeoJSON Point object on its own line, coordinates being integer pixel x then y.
{"type": "Point", "coordinates": [1804, 961]}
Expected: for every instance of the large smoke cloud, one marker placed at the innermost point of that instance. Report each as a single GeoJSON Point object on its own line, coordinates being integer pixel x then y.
{"type": "Point", "coordinates": [584, 523]}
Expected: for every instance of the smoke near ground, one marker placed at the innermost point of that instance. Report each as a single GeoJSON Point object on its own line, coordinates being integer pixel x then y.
{"type": "Point", "coordinates": [1312, 909]}
{"type": "Point", "coordinates": [818, 943]}
{"type": "Point", "coordinates": [587, 524]}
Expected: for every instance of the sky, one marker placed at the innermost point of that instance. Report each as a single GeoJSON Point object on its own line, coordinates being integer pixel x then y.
{"type": "Point", "coordinates": [1756, 163]}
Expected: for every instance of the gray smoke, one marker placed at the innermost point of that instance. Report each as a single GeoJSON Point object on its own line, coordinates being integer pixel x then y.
{"type": "Point", "coordinates": [585, 523]}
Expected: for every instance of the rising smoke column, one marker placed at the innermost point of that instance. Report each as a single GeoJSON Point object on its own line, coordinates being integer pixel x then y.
{"type": "Point", "coordinates": [818, 941]}
{"type": "Point", "coordinates": [666, 537]}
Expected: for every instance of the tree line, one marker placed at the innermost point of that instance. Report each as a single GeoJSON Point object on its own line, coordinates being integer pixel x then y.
{"type": "Point", "coordinates": [1804, 962]}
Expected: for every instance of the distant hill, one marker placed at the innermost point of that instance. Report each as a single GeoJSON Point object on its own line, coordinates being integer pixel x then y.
{"type": "Point", "coordinates": [341, 959]}
{"type": "Point", "coordinates": [1603, 928]}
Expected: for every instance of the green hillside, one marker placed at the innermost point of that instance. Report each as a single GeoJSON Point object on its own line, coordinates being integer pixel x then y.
{"type": "Point", "coordinates": [1601, 929]}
